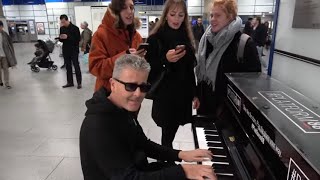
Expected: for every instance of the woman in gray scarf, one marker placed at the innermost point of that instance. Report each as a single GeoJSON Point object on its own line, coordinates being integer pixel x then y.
{"type": "Point", "coordinates": [217, 54]}
{"type": "Point", "coordinates": [7, 56]}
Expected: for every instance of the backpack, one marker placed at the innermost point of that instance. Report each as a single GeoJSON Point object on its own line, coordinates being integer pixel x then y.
{"type": "Point", "coordinates": [241, 45]}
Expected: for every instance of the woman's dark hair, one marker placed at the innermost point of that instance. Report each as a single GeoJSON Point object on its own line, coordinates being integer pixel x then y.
{"type": "Point", "coordinates": [258, 18]}
{"type": "Point", "coordinates": [116, 6]}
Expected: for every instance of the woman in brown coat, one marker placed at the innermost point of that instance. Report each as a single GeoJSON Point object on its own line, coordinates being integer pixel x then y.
{"type": "Point", "coordinates": [114, 37]}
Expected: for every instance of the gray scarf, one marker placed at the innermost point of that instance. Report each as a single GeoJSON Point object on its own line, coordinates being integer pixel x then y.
{"type": "Point", "coordinates": [207, 67]}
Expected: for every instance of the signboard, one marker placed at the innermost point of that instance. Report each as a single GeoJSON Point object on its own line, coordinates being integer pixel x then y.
{"type": "Point", "coordinates": [294, 172]}
{"type": "Point", "coordinates": [307, 14]}
{"type": "Point", "coordinates": [144, 29]}
{"type": "Point", "coordinates": [32, 28]}
{"type": "Point", "coordinates": [305, 119]}
{"type": "Point", "coordinates": [40, 28]}
{"type": "Point", "coordinates": [234, 98]}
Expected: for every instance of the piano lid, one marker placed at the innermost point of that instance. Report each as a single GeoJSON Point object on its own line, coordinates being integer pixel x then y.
{"type": "Point", "coordinates": [294, 115]}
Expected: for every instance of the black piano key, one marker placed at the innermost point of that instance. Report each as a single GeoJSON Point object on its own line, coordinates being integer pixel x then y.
{"type": "Point", "coordinates": [219, 146]}
{"type": "Point", "coordinates": [218, 151]}
{"type": "Point", "coordinates": [211, 132]}
{"type": "Point", "coordinates": [212, 138]}
{"type": "Point", "coordinates": [219, 159]}
{"type": "Point", "coordinates": [221, 166]}
{"type": "Point", "coordinates": [210, 128]}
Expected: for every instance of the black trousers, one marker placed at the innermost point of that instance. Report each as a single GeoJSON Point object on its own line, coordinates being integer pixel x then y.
{"type": "Point", "coordinates": [69, 59]}
{"type": "Point", "coordinates": [168, 134]}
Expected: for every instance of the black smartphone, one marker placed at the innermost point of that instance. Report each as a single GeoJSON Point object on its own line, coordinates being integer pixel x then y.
{"type": "Point", "coordinates": [143, 46]}
{"type": "Point", "coordinates": [182, 47]}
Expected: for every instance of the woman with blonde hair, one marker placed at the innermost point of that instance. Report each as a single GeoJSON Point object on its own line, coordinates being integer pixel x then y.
{"type": "Point", "coordinates": [171, 52]}
{"type": "Point", "coordinates": [217, 55]}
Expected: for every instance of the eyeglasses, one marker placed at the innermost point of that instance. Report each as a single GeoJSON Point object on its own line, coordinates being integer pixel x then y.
{"type": "Point", "coordinates": [131, 87]}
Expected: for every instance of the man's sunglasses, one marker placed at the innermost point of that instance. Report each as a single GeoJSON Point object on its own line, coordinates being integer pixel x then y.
{"type": "Point", "coordinates": [131, 87]}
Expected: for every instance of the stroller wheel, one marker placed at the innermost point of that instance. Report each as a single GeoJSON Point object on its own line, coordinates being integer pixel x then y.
{"type": "Point", "coordinates": [35, 69]}
{"type": "Point", "coordinates": [54, 67]}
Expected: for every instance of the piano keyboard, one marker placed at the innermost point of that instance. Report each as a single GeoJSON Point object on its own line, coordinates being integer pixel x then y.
{"type": "Point", "coordinates": [208, 138]}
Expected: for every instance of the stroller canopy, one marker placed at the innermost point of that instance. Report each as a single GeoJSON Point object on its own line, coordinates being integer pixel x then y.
{"type": "Point", "coordinates": [48, 44]}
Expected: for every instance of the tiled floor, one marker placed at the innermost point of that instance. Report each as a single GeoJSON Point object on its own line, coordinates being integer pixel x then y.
{"type": "Point", "coordinates": [40, 122]}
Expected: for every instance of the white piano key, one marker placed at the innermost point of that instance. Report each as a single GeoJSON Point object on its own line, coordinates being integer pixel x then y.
{"type": "Point", "coordinates": [207, 163]}
{"type": "Point", "coordinates": [223, 163]}
{"type": "Point", "coordinates": [200, 134]}
{"type": "Point", "coordinates": [224, 174]}
{"type": "Point", "coordinates": [223, 156]}
{"type": "Point", "coordinates": [215, 135]}
{"type": "Point", "coordinates": [216, 142]}
{"type": "Point", "coordinates": [203, 145]}
{"type": "Point", "coordinates": [215, 147]}
{"type": "Point", "coordinates": [211, 130]}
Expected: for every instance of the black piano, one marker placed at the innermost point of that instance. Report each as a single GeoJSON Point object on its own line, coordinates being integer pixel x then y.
{"type": "Point", "coordinates": [270, 131]}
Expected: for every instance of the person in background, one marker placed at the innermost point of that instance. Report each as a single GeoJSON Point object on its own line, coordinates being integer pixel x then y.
{"type": "Point", "coordinates": [248, 27]}
{"type": "Point", "coordinates": [112, 142]}
{"type": "Point", "coordinates": [259, 35]}
{"type": "Point", "coordinates": [116, 36]}
{"type": "Point", "coordinates": [177, 90]}
{"type": "Point", "coordinates": [70, 37]}
{"type": "Point", "coordinates": [40, 54]}
{"type": "Point", "coordinates": [86, 36]}
{"type": "Point", "coordinates": [151, 26]}
{"type": "Point", "coordinates": [268, 38]}
{"type": "Point", "coordinates": [137, 23]}
{"type": "Point", "coordinates": [7, 56]}
{"type": "Point", "coordinates": [198, 31]}
{"type": "Point", "coordinates": [217, 55]}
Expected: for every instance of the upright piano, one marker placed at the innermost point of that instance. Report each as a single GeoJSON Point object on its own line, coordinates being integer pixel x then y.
{"type": "Point", "coordinates": [268, 131]}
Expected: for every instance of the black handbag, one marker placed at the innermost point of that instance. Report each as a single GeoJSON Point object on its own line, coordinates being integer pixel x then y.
{"type": "Point", "coordinates": [154, 86]}
{"type": "Point", "coordinates": [157, 82]}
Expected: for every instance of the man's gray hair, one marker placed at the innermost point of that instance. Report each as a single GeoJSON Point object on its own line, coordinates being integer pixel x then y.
{"type": "Point", "coordinates": [130, 61]}
{"type": "Point", "coordinates": [85, 23]}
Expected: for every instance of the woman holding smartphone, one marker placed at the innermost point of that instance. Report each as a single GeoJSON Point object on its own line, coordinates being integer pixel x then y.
{"type": "Point", "coordinates": [171, 50]}
{"type": "Point", "coordinates": [115, 37]}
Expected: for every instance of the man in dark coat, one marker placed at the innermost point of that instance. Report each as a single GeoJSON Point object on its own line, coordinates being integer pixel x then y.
{"type": "Point", "coordinates": [198, 31]}
{"type": "Point", "coordinates": [112, 142]}
{"type": "Point", "coordinates": [259, 35]}
{"type": "Point", "coordinates": [70, 36]}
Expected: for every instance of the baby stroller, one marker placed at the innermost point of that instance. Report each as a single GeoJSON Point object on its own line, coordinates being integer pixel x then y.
{"type": "Point", "coordinates": [43, 59]}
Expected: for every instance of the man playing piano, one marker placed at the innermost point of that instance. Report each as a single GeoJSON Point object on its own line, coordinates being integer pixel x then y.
{"type": "Point", "coordinates": [112, 143]}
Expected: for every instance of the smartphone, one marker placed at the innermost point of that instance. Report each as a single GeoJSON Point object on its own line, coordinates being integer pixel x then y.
{"type": "Point", "coordinates": [143, 46]}
{"type": "Point", "coordinates": [182, 47]}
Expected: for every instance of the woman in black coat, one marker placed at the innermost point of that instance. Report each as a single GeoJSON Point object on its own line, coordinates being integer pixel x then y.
{"type": "Point", "coordinates": [217, 55]}
{"type": "Point", "coordinates": [176, 92]}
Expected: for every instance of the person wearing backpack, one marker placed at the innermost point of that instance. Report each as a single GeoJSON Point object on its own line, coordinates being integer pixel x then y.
{"type": "Point", "coordinates": [218, 54]}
